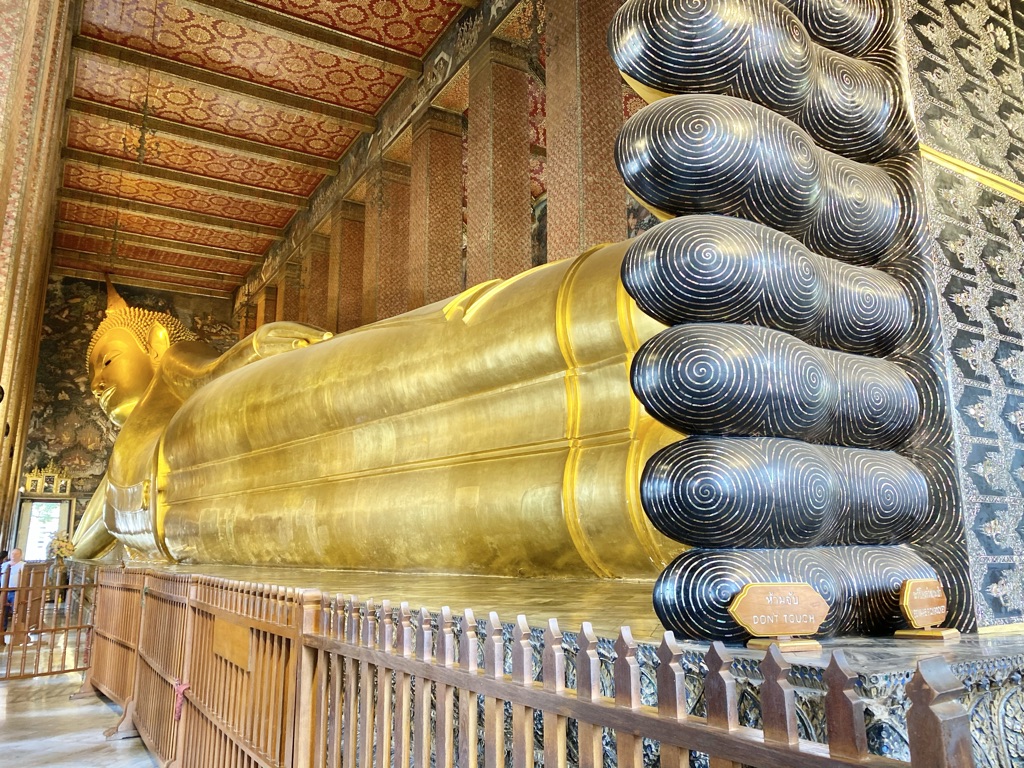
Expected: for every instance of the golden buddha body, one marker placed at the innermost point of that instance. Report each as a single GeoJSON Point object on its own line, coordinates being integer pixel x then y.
{"type": "Point", "coordinates": [494, 433]}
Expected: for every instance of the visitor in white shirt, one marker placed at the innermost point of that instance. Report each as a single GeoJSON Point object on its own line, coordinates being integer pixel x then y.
{"type": "Point", "coordinates": [10, 578]}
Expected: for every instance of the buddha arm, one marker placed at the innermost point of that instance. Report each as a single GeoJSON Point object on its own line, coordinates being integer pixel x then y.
{"type": "Point", "coordinates": [189, 366]}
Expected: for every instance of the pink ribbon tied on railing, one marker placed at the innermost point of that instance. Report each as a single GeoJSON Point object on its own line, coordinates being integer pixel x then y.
{"type": "Point", "coordinates": [179, 698]}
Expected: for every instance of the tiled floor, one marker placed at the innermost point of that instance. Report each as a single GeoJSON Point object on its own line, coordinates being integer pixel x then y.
{"type": "Point", "coordinates": [41, 728]}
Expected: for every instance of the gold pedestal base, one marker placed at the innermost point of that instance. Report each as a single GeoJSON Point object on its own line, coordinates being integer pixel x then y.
{"type": "Point", "coordinates": [943, 635]}
{"type": "Point", "coordinates": [785, 644]}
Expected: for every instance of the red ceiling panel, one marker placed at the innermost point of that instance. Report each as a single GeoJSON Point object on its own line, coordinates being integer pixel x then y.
{"type": "Point", "coordinates": [124, 86]}
{"type": "Point", "coordinates": [97, 134]}
{"type": "Point", "coordinates": [408, 25]}
{"type": "Point", "coordinates": [154, 226]}
{"type": "Point", "coordinates": [99, 246]}
{"type": "Point", "coordinates": [182, 34]}
{"type": "Point", "coordinates": [130, 186]}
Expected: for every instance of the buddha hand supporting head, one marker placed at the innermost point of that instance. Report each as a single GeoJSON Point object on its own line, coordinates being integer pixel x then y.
{"type": "Point", "coordinates": [125, 351]}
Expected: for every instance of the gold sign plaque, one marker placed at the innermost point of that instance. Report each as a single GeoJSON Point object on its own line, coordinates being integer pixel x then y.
{"type": "Point", "coordinates": [923, 602]}
{"type": "Point", "coordinates": [779, 610]}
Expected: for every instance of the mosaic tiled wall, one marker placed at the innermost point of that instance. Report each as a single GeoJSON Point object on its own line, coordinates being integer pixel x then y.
{"type": "Point", "coordinates": [967, 71]}
{"type": "Point", "coordinates": [67, 425]}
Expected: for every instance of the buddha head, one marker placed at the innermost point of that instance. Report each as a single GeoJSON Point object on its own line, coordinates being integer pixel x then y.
{"type": "Point", "coordinates": [125, 351]}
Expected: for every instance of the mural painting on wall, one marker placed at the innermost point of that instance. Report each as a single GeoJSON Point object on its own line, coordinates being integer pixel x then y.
{"type": "Point", "coordinates": [67, 426]}
{"type": "Point", "coordinates": [969, 98]}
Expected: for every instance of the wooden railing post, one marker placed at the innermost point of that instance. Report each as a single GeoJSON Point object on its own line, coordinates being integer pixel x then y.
{"type": "Point", "coordinates": [628, 746]}
{"type": "Point", "coordinates": [403, 687]}
{"type": "Point", "coordinates": [494, 710]}
{"type": "Point", "coordinates": [468, 741]}
{"type": "Point", "coordinates": [350, 684]}
{"type": "Point", "coordinates": [778, 699]}
{"type": "Point", "coordinates": [671, 696]}
{"type": "Point", "coordinates": [421, 708]}
{"type": "Point", "coordinates": [844, 711]}
{"type": "Point", "coordinates": [553, 675]}
{"type": "Point", "coordinates": [367, 686]}
{"type": "Point", "coordinates": [938, 726]}
{"type": "Point", "coordinates": [720, 697]}
{"type": "Point", "coordinates": [385, 642]}
{"type": "Point", "coordinates": [444, 695]}
{"type": "Point", "coordinates": [306, 704]}
{"type": "Point", "coordinates": [522, 716]}
{"type": "Point", "coordinates": [588, 688]}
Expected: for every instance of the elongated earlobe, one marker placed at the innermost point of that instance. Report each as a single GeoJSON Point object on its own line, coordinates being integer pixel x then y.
{"type": "Point", "coordinates": [159, 341]}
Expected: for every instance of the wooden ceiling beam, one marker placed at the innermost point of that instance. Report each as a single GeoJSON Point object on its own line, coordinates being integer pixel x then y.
{"type": "Point", "coordinates": [172, 286]}
{"type": "Point", "coordinates": [148, 241]}
{"type": "Point", "coordinates": [350, 117]}
{"type": "Point", "coordinates": [181, 177]}
{"type": "Point", "coordinates": [349, 46]}
{"type": "Point", "coordinates": [227, 280]}
{"type": "Point", "coordinates": [192, 133]}
{"type": "Point", "coordinates": [166, 212]}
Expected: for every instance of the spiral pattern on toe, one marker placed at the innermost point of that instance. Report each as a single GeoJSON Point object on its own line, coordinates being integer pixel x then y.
{"type": "Point", "coordinates": [860, 585]}
{"type": "Point", "coordinates": [702, 268]}
{"type": "Point", "coordinates": [768, 492]}
{"type": "Point", "coordinates": [768, 55]}
{"type": "Point", "coordinates": [741, 380]}
{"type": "Point", "coordinates": [850, 27]}
{"type": "Point", "coordinates": [704, 153]}
{"type": "Point", "coordinates": [716, 154]}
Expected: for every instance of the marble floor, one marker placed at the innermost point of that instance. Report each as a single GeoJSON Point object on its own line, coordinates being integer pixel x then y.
{"type": "Point", "coordinates": [40, 727]}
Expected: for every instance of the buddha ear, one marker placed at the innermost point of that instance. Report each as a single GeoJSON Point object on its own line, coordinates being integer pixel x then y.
{"type": "Point", "coordinates": [159, 341]}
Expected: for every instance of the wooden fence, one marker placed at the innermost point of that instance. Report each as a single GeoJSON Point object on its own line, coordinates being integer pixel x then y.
{"type": "Point", "coordinates": [115, 635]}
{"type": "Point", "coordinates": [46, 622]}
{"type": "Point", "coordinates": [268, 676]}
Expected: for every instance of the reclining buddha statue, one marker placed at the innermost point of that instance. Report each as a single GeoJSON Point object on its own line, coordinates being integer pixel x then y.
{"type": "Point", "coordinates": [751, 391]}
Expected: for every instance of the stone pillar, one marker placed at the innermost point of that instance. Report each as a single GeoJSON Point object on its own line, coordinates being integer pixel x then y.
{"type": "Point", "coordinates": [386, 241]}
{"type": "Point", "coordinates": [266, 305]}
{"type": "Point", "coordinates": [289, 284]}
{"type": "Point", "coordinates": [435, 208]}
{"type": "Point", "coordinates": [345, 267]}
{"type": "Point", "coordinates": [586, 197]}
{"type": "Point", "coordinates": [314, 281]}
{"type": "Point", "coordinates": [498, 175]}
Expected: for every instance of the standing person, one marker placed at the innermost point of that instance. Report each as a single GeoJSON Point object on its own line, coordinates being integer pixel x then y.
{"type": "Point", "coordinates": [10, 578]}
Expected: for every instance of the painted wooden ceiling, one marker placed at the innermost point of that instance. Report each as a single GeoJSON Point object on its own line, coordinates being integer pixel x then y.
{"type": "Point", "coordinates": [197, 128]}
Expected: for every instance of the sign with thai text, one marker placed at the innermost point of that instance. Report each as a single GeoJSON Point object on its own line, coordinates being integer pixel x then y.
{"type": "Point", "coordinates": [779, 610]}
{"type": "Point", "coordinates": [923, 602]}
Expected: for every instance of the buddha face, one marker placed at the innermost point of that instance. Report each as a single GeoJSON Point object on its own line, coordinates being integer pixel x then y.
{"type": "Point", "coordinates": [121, 372]}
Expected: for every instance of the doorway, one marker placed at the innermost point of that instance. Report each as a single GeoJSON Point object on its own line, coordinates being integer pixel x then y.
{"type": "Point", "coordinates": [39, 520]}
